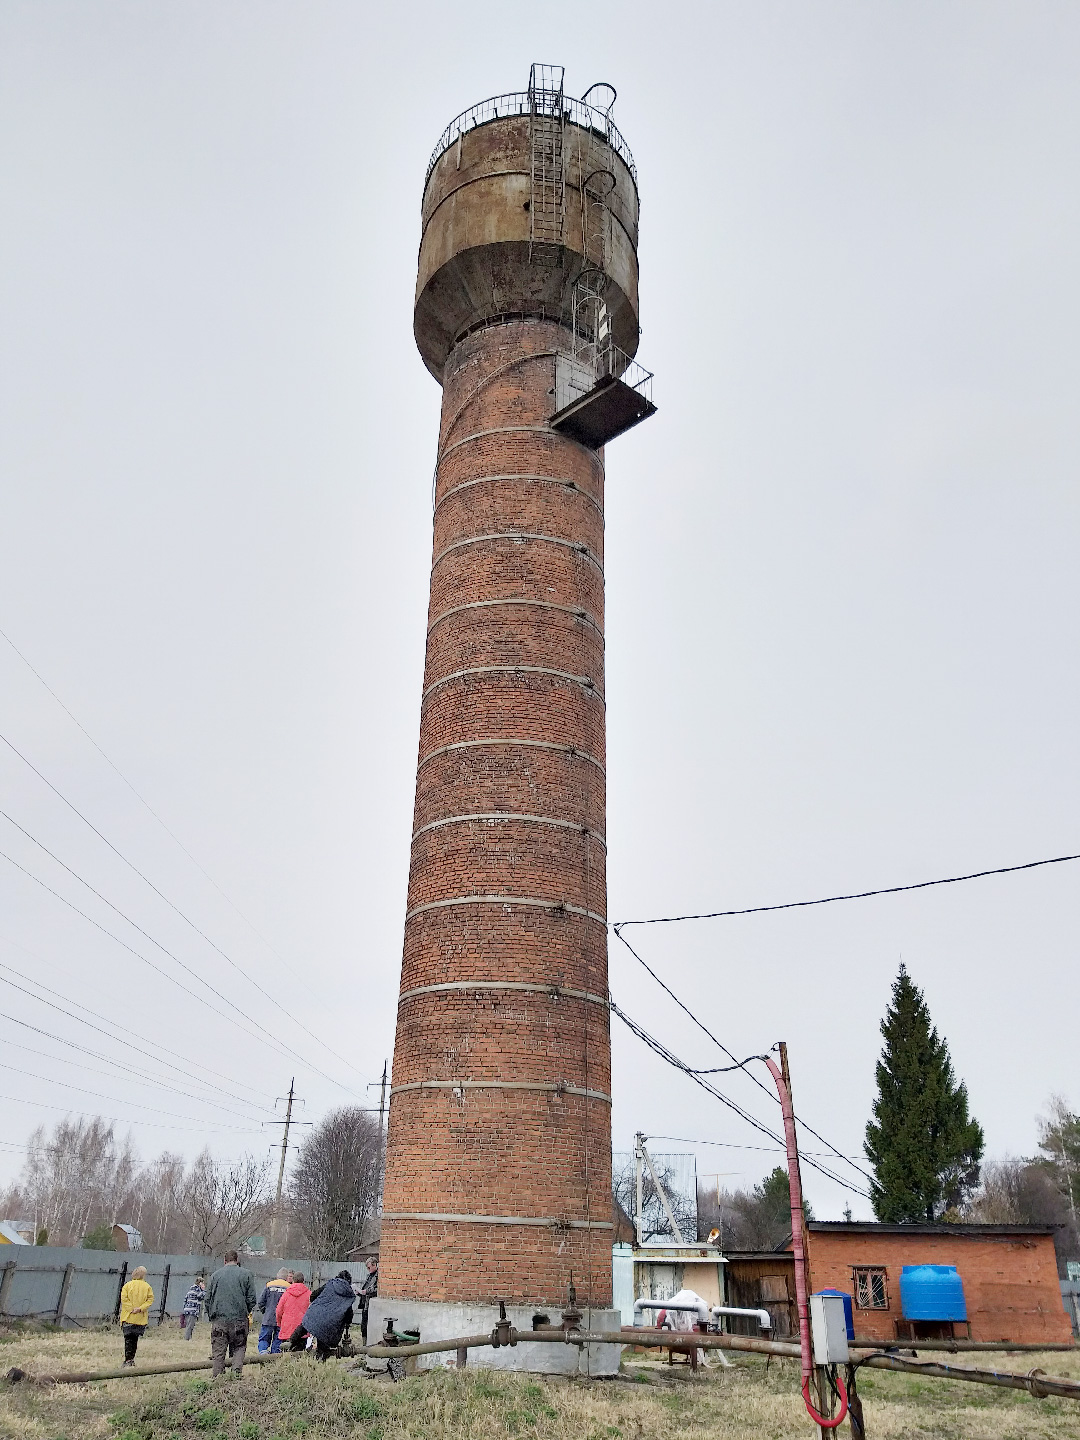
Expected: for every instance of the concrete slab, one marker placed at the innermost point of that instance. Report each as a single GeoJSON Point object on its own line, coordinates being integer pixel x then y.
{"type": "Point", "coordinates": [440, 1321]}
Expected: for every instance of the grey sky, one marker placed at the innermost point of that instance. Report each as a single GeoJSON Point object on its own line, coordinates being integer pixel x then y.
{"type": "Point", "coordinates": [842, 609]}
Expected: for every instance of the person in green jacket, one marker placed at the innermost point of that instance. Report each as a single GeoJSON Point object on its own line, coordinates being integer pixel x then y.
{"type": "Point", "coordinates": [230, 1299]}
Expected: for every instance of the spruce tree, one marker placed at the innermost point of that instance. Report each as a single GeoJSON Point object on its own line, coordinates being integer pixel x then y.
{"type": "Point", "coordinates": [924, 1147]}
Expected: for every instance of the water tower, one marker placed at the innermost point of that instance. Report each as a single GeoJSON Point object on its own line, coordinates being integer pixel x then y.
{"type": "Point", "coordinates": [498, 1164]}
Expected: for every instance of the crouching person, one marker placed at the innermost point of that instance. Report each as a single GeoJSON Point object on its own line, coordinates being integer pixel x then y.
{"type": "Point", "coordinates": [290, 1312]}
{"type": "Point", "coordinates": [230, 1299]}
{"type": "Point", "coordinates": [330, 1313]}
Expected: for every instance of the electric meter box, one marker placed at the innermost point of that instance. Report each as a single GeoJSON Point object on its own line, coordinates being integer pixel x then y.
{"type": "Point", "coordinates": [828, 1329]}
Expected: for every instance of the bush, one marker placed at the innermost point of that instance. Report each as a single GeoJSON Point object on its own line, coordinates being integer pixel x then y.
{"type": "Point", "coordinates": [99, 1238]}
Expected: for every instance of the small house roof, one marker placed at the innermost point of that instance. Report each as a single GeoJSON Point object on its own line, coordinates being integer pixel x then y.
{"type": "Point", "coordinates": [943, 1227]}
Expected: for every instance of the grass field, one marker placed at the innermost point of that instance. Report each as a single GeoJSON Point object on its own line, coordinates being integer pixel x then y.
{"type": "Point", "coordinates": [295, 1397]}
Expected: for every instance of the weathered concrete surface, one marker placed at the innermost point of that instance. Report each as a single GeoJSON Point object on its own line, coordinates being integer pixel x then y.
{"type": "Point", "coordinates": [474, 259]}
{"type": "Point", "coordinates": [445, 1322]}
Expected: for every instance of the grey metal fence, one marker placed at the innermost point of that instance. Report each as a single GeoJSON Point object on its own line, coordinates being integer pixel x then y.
{"type": "Point", "coordinates": [79, 1287]}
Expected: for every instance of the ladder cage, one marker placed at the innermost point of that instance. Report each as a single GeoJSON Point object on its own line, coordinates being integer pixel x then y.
{"type": "Point", "coordinates": [547, 121]}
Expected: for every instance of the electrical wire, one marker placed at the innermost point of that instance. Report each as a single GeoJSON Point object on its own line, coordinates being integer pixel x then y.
{"type": "Point", "coordinates": [146, 880]}
{"type": "Point", "coordinates": [118, 1064]}
{"type": "Point", "coordinates": [117, 1120]}
{"type": "Point", "coordinates": [256, 1033]}
{"type": "Point", "coordinates": [720, 1044]}
{"type": "Point", "coordinates": [727, 1144]}
{"type": "Point", "coordinates": [145, 934]}
{"type": "Point", "coordinates": [667, 1055]}
{"type": "Point", "coordinates": [143, 801]}
{"type": "Point", "coordinates": [856, 895]}
{"type": "Point", "coordinates": [143, 1039]}
{"type": "Point", "coordinates": [49, 1080]}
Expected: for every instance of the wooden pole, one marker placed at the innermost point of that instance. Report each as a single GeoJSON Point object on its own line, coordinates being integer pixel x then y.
{"type": "Point", "coordinates": [65, 1286]}
{"type": "Point", "coordinates": [5, 1284]}
{"type": "Point", "coordinates": [855, 1410]}
{"type": "Point", "coordinates": [120, 1289]}
{"type": "Point", "coordinates": [164, 1294]}
{"type": "Point", "coordinates": [821, 1388]}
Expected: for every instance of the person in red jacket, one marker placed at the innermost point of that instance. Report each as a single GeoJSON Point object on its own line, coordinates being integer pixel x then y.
{"type": "Point", "coordinates": [291, 1308]}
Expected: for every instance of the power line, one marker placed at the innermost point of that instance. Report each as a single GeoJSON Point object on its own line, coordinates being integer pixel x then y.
{"type": "Point", "coordinates": [724, 1144]}
{"type": "Point", "coordinates": [49, 1080]}
{"type": "Point", "coordinates": [667, 1055]}
{"type": "Point", "coordinates": [857, 895]}
{"type": "Point", "coordinates": [146, 880]}
{"type": "Point", "coordinates": [721, 1144]}
{"type": "Point", "coordinates": [201, 999]}
{"type": "Point", "coordinates": [117, 1120]}
{"type": "Point", "coordinates": [118, 1064]}
{"type": "Point", "coordinates": [144, 1040]}
{"type": "Point", "coordinates": [145, 934]}
{"type": "Point", "coordinates": [720, 1044]}
{"type": "Point", "coordinates": [147, 806]}
{"type": "Point", "coordinates": [256, 1032]}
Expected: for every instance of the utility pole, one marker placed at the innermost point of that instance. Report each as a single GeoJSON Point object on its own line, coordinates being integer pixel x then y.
{"type": "Point", "coordinates": [382, 1104]}
{"type": "Point", "coordinates": [382, 1084]}
{"type": "Point", "coordinates": [287, 1122]}
{"type": "Point", "coordinates": [822, 1386]}
{"type": "Point", "coordinates": [643, 1154]}
{"type": "Point", "coordinates": [638, 1196]}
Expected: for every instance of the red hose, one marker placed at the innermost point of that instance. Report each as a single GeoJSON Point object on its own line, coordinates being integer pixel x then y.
{"type": "Point", "coordinates": [823, 1420]}
{"type": "Point", "coordinates": [798, 1246]}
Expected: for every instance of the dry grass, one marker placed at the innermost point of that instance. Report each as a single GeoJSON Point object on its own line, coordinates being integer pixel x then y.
{"type": "Point", "coordinates": [295, 1397]}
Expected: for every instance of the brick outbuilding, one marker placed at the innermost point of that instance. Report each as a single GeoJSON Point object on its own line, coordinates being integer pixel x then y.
{"type": "Point", "coordinates": [1009, 1274]}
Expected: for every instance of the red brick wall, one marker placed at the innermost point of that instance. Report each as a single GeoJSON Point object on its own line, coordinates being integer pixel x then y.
{"type": "Point", "coordinates": [524, 739]}
{"type": "Point", "coordinates": [1010, 1283]}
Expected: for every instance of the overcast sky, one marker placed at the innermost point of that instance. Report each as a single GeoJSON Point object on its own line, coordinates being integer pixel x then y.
{"type": "Point", "coordinates": [841, 560]}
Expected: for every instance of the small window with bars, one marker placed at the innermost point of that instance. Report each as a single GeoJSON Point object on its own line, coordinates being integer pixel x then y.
{"type": "Point", "coordinates": [871, 1289]}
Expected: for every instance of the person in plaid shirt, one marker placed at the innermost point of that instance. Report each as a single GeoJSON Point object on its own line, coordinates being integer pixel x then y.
{"type": "Point", "coordinates": [193, 1302]}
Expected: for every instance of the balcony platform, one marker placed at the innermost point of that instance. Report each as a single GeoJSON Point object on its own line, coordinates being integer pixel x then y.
{"type": "Point", "coordinates": [609, 409]}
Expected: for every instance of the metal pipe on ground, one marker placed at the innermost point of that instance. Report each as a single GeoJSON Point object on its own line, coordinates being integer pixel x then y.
{"type": "Point", "coordinates": [955, 1347]}
{"type": "Point", "coordinates": [84, 1377]}
{"type": "Point", "coordinates": [1034, 1383]}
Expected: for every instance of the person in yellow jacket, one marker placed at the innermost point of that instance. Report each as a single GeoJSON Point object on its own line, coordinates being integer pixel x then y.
{"type": "Point", "coordinates": [135, 1300]}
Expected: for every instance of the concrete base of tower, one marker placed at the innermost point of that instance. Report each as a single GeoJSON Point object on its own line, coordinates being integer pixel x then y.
{"type": "Point", "coordinates": [445, 1321]}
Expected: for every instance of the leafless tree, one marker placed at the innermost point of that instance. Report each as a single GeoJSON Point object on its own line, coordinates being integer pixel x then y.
{"type": "Point", "coordinates": [654, 1218]}
{"type": "Point", "coordinates": [157, 1208]}
{"type": "Point", "coordinates": [1026, 1192]}
{"type": "Point", "coordinates": [755, 1219]}
{"type": "Point", "coordinates": [334, 1185]}
{"type": "Point", "coordinates": [222, 1204]}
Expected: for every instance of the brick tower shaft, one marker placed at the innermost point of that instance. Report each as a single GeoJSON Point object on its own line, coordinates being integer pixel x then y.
{"type": "Point", "coordinates": [500, 1096]}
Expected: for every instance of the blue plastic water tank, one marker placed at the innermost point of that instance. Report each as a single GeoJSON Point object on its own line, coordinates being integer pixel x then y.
{"type": "Point", "coordinates": [932, 1292]}
{"type": "Point", "coordinates": [849, 1316]}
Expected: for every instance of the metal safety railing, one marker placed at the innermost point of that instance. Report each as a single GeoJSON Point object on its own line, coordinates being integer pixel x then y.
{"type": "Point", "coordinates": [503, 107]}
{"type": "Point", "coordinates": [609, 362]}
